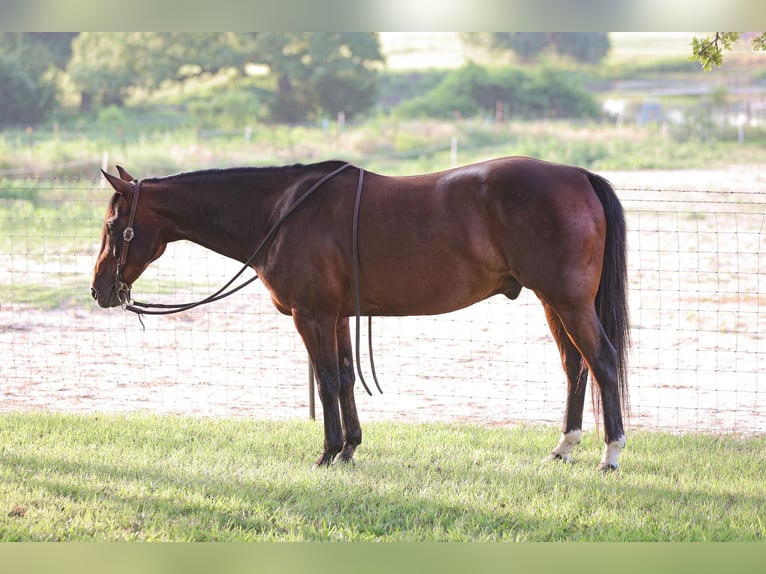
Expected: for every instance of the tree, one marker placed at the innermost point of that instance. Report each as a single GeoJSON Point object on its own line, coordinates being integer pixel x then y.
{"type": "Point", "coordinates": [313, 73]}
{"type": "Point", "coordinates": [709, 51]}
{"type": "Point", "coordinates": [24, 98]}
{"type": "Point", "coordinates": [102, 67]}
{"type": "Point", "coordinates": [27, 78]}
{"type": "Point", "coordinates": [320, 72]}
{"type": "Point", "coordinates": [528, 93]}
{"type": "Point", "coordinates": [106, 66]}
{"type": "Point", "coordinates": [526, 45]}
{"type": "Point", "coordinates": [57, 44]}
{"type": "Point", "coordinates": [587, 47]}
{"type": "Point", "coordinates": [179, 56]}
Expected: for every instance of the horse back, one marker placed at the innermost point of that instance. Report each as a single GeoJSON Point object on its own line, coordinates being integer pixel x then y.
{"type": "Point", "coordinates": [438, 242]}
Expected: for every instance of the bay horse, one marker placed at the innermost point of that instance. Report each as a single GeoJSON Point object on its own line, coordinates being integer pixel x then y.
{"type": "Point", "coordinates": [412, 245]}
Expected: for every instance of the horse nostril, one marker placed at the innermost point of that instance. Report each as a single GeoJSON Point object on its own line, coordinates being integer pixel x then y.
{"type": "Point", "coordinates": [93, 293]}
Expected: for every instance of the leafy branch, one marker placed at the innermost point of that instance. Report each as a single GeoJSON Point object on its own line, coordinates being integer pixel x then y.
{"type": "Point", "coordinates": [709, 51]}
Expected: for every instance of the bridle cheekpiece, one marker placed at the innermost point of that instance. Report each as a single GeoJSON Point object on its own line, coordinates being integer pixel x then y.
{"type": "Point", "coordinates": [123, 288]}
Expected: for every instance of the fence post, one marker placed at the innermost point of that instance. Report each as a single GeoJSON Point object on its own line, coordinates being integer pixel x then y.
{"type": "Point", "coordinates": [453, 151]}
{"type": "Point", "coordinates": [104, 166]}
{"type": "Point", "coordinates": [312, 408]}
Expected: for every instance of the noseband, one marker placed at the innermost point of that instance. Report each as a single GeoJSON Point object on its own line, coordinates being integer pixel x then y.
{"type": "Point", "coordinates": [123, 288]}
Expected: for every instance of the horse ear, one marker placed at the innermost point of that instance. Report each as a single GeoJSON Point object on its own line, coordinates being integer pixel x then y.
{"type": "Point", "coordinates": [122, 187]}
{"type": "Point", "coordinates": [124, 175]}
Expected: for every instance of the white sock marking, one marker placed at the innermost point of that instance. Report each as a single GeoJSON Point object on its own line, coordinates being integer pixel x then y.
{"type": "Point", "coordinates": [612, 452]}
{"type": "Point", "coordinates": [567, 443]}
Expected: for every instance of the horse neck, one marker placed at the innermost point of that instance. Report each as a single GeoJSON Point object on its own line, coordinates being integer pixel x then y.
{"type": "Point", "coordinates": [226, 215]}
{"type": "Point", "coordinates": [230, 211]}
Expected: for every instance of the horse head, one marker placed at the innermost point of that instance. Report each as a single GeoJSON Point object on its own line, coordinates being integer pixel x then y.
{"type": "Point", "coordinates": [131, 239]}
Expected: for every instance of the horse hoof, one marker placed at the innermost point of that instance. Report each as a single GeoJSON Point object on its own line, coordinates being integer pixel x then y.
{"type": "Point", "coordinates": [341, 458]}
{"type": "Point", "coordinates": [607, 468]}
{"type": "Point", "coordinates": [324, 459]}
{"type": "Point", "coordinates": [557, 456]}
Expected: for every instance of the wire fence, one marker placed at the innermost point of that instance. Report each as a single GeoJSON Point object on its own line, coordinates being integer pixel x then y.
{"type": "Point", "coordinates": [697, 261]}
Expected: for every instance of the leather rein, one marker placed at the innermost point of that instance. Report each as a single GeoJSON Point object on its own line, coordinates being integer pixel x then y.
{"type": "Point", "coordinates": [140, 308]}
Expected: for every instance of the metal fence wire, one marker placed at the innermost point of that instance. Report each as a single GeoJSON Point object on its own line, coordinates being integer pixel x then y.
{"type": "Point", "coordinates": [697, 265]}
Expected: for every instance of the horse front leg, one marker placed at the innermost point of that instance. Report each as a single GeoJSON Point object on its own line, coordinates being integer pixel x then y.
{"type": "Point", "coordinates": [319, 336]}
{"type": "Point", "coordinates": [352, 430]}
{"type": "Point", "coordinates": [577, 380]}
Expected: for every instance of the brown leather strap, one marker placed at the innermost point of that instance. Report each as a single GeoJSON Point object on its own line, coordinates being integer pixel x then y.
{"type": "Point", "coordinates": [357, 303]}
{"type": "Point", "coordinates": [128, 234]}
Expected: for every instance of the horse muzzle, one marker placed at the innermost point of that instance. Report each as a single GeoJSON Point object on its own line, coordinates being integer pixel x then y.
{"type": "Point", "coordinates": [111, 296]}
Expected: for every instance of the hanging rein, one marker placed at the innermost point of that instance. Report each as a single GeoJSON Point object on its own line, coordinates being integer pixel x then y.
{"type": "Point", "coordinates": [141, 308]}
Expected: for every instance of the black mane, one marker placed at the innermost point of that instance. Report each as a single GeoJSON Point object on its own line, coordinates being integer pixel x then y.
{"type": "Point", "coordinates": [265, 170]}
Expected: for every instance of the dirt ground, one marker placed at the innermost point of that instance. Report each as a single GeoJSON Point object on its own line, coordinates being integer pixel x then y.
{"type": "Point", "coordinates": [698, 308]}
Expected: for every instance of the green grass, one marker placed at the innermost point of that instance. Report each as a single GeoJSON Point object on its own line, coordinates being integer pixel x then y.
{"type": "Point", "coordinates": [68, 291]}
{"type": "Point", "coordinates": [141, 477]}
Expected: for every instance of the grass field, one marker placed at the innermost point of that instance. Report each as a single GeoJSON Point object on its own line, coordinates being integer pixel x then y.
{"type": "Point", "coordinates": [141, 477]}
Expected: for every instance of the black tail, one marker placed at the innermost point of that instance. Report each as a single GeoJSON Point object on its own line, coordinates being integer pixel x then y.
{"type": "Point", "coordinates": [612, 296]}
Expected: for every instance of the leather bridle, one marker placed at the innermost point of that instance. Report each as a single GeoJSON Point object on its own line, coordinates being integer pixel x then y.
{"type": "Point", "coordinates": [123, 288]}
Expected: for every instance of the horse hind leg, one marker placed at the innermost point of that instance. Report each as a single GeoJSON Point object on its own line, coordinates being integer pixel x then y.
{"type": "Point", "coordinates": [587, 334]}
{"type": "Point", "coordinates": [577, 380]}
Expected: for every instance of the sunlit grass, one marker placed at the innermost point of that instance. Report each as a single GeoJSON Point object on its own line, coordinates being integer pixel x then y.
{"type": "Point", "coordinates": [140, 477]}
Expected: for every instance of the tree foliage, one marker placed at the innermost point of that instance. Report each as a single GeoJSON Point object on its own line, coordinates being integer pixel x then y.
{"type": "Point", "coordinates": [312, 73]}
{"type": "Point", "coordinates": [475, 91]}
{"type": "Point", "coordinates": [586, 47]}
{"type": "Point", "coordinates": [101, 67]}
{"type": "Point", "coordinates": [28, 68]}
{"type": "Point", "coordinates": [526, 45]}
{"type": "Point", "coordinates": [309, 74]}
{"type": "Point", "coordinates": [709, 51]}
{"type": "Point", "coordinates": [106, 66]}
{"type": "Point", "coordinates": [25, 99]}
{"type": "Point", "coordinates": [320, 72]}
